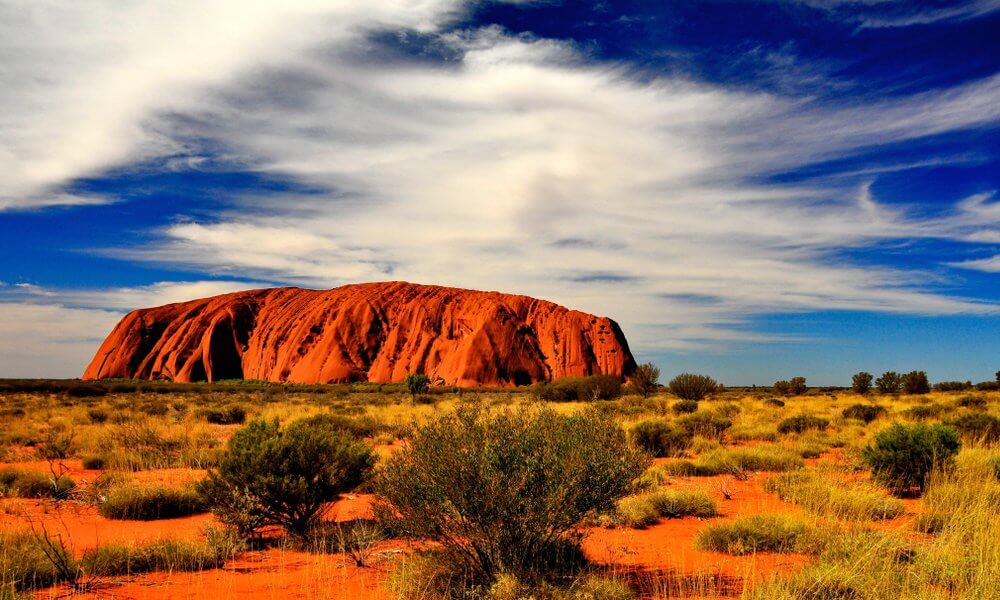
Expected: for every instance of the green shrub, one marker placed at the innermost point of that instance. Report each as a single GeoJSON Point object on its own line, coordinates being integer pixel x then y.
{"type": "Point", "coordinates": [902, 456]}
{"type": "Point", "coordinates": [162, 555]}
{"type": "Point", "coordinates": [861, 382]}
{"type": "Point", "coordinates": [232, 414]}
{"type": "Point", "coordinates": [24, 565]}
{"type": "Point", "coordinates": [978, 427]}
{"type": "Point", "coordinates": [684, 407]}
{"type": "Point", "coordinates": [97, 415]}
{"type": "Point", "coordinates": [137, 502]}
{"type": "Point", "coordinates": [915, 382]}
{"type": "Point", "coordinates": [974, 402]}
{"type": "Point", "coordinates": [757, 533]}
{"type": "Point", "coordinates": [889, 382]}
{"type": "Point", "coordinates": [417, 383]}
{"type": "Point", "coordinates": [864, 412]}
{"type": "Point", "coordinates": [94, 462]}
{"type": "Point", "coordinates": [953, 386]}
{"type": "Point", "coordinates": [689, 386]}
{"type": "Point", "coordinates": [755, 458]}
{"type": "Point", "coordinates": [802, 423]}
{"type": "Point", "coordinates": [660, 438]}
{"type": "Point", "coordinates": [580, 389]}
{"type": "Point", "coordinates": [819, 495]}
{"type": "Point", "coordinates": [22, 483]}
{"type": "Point", "coordinates": [647, 509]}
{"type": "Point", "coordinates": [774, 403]}
{"type": "Point", "coordinates": [645, 379]}
{"type": "Point", "coordinates": [284, 477]}
{"type": "Point", "coordinates": [795, 386]}
{"type": "Point", "coordinates": [501, 492]}
{"type": "Point", "coordinates": [923, 412]}
{"type": "Point", "coordinates": [705, 424]}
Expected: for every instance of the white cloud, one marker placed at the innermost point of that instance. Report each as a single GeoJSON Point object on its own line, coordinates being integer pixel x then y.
{"type": "Point", "coordinates": [989, 265]}
{"type": "Point", "coordinates": [55, 333]}
{"type": "Point", "coordinates": [519, 167]}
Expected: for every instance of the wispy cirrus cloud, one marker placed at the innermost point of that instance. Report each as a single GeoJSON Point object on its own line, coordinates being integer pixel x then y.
{"type": "Point", "coordinates": [516, 164]}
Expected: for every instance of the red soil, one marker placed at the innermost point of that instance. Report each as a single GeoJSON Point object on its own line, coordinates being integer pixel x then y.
{"type": "Point", "coordinates": [376, 332]}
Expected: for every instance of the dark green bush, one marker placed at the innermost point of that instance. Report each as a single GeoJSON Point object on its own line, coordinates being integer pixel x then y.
{"type": "Point", "coordinates": [861, 382]}
{"type": "Point", "coordinates": [953, 386]}
{"type": "Point", "coordinates": [792, 387]}
{"type": "Point", "coordinates": [889, 383]}
{"type": "Point", "coordinates": [864, 412]}
{"type": "Point", "coordinates": [774, 403]}
{"type": "Point", "coordinates": [915, 382]}
{"type": "Point", "coordinates": [802, 423]}
{"type": "Point", "coordinates": [902, 457]}
{"type": "Point", "coordinates": [645, 379]}
{"type": "Point", "coordinates": [975, 402]}
{"type": "Point", "coordinates": [684, 407]}
{"type": "Point", "coordinates": [503, 492]}
{"type": "Point", "coordinates": [660, 438]}
{"type": "Point", "coordinates": [137, 502]}
{"type": "Point", "coordinates": [417, 383]}
{"type": "Point", "coordinates": [978, 427]}
{"type": "Point", "coordinates": [22, 483]}
{"type": "Point", "coordinates": [706, 424]}
{"type": "Point", "coordinates": [690, 386]}
{"type": "Point", "coordinates": [923, 412]}
{"type": "Point", "coordinates": [232, 414]}
{"type": "Point", "coordinates": [582, 389]}
{"type": "Point", "coordinates": [284, 477]}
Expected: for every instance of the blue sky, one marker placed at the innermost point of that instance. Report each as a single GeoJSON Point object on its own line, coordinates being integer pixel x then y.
{"type": "Point", "coordinates": [754, 190]}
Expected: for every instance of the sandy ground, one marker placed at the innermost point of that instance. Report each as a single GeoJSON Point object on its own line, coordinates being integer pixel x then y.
{"type": "Point", "coordinates": [659, 557]}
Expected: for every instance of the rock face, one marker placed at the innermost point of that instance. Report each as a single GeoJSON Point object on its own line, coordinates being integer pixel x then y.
{"type": "Point", "coordinates": [375, 332]}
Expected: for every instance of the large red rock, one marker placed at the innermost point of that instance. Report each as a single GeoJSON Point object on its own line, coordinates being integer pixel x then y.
{"type": "Point", "coordinates": [375, 332]}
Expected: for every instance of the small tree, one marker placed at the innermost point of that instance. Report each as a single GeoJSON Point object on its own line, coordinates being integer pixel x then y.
{"type": "Point", "coordinates": [889, 383]}
{"type": "Point", "coordinates": [502, 492]}
{"type": "Point", "coordinates": [417, 383]}
{"type": "Point", "coordinates": [902, 457]}
{"type": "Point", "coordinates": [915, 382]}
{"type": "Point", "coordinates": [798, 385]}
{"type": "Point", "coordinates": [689, 386]}
{"type": "Point", "coordinates": [861, 383]}
{"type": "Point", "coordinates": [645, 379]}
{"type": "Point", "coordinates": [284, 477]}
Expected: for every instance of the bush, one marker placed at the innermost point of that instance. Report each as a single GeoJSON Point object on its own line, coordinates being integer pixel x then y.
{"type": "Point", "coordinates": [647, 509]}
{"type": "Point", "coordinates": [137, 502]}
{"type": "Point", "coordinates": [756, 458]}
{"type": "Point", "coordinates": [861, 382]}
{"type": "Point", "coordinates": [953, 386]}
{"type": "Point", "coordinates": [802, 423]}
{"type": "Point", "coordinates": [978, 427]}
{"type": "Point", "coordinates": [22, 483]}
{"type": "Point", "coordinates": [689, 386]}
{"type": "Point", "coordinates": [838, 499]}
{"type": "Point", "coordinates": [864, 412]}
{"type": "Point", "coordinates": [923, 412]}
{"type": "Point", "coordinates": [161, 555]}
{"type": "Point", "coordinates": [502, 492]}
{"type": "Point", "coordinates": [889, 383]}
{"type": "Point", "coordinates": [660, 438]}
{"type": "Point", "coordinates": [774, 403]}
{"type": "Point", "coordinates": [582, 389]}
{"type": "Point", "coordinates": [684, 407]}
{"type": "Point", "coordinates": [902, 456]}
{"type": "Point", "coordinates": [705, 424]}
{"type": "Point", "coordinates": [974, 402]}
{"type": "Point", "coordinates": [748, 535]}
{"type": "Point", "coordinates": [233, 414]}
{"type": "Point", "coordinates": [97, 415]}
{"type": "Point", "coordinates": [645, 379]}
{"type": "Point", "coordinates": [284, 477]}
{"type": "Point", "coordinates": [24, 565]}
{"type": "Point", "coordinates": [915, 382]}
{"type": "Point", "coordinates": [417, 383]}
{"type": "Point", "coordinates": [793, 387]}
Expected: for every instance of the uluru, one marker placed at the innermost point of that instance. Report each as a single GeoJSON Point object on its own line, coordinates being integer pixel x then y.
{"type": "Point", "coordinates": [376, 332]}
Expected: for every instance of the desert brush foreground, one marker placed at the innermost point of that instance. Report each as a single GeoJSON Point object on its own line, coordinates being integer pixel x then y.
{"type": "Point", "coordinates": [579, 489]}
